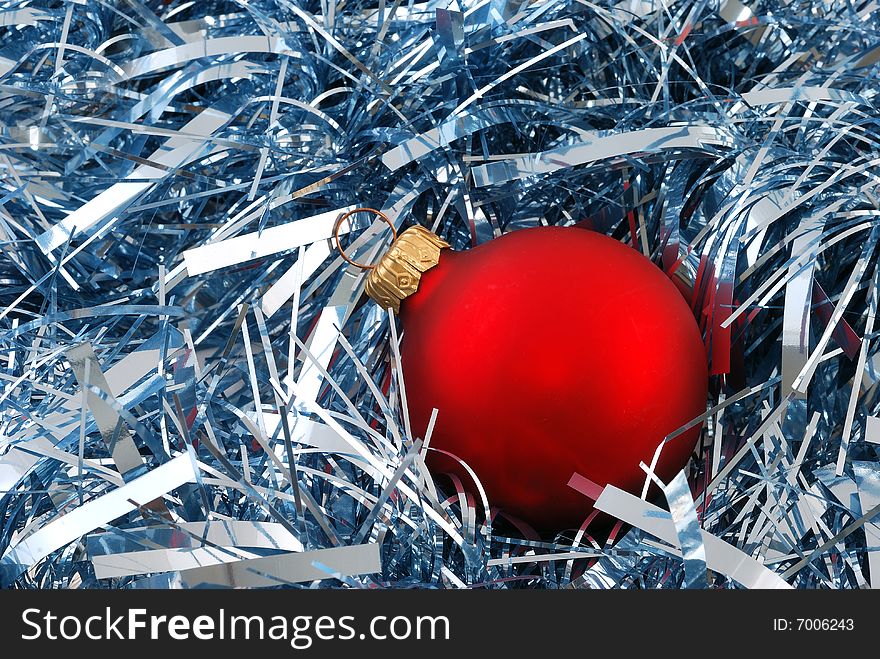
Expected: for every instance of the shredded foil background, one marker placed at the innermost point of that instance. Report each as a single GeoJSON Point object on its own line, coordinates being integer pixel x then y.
{"type": "Point", "coordinates": [195, 393]}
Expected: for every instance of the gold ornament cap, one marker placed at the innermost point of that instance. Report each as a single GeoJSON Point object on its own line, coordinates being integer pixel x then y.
{"type": "Point", "coordinates": [399, 271]}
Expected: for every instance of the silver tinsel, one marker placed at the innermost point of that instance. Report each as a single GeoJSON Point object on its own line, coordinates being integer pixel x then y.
{"type": "Point", "coordinates": [194, 391]}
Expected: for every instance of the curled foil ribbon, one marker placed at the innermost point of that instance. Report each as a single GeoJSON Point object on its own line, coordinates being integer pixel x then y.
{"type": "Point", "coordinates": [192, 392]}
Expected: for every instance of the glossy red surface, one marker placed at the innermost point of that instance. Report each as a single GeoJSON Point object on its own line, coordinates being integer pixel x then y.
{"type": "Point", "coordinates": [549, 351]}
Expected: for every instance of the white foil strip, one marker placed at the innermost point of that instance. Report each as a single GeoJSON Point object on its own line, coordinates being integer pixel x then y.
{"type": "Point", "coordinates": [189, 535]}
{"type": "Point", "coordinates": [97, 512]}
{"type": "Point", "coordinates": [647, 140]}
{"type": "Point", "coordinates": [273, 240]}
{"type": "Point", "coordinates": [867, 479]}
{"type": "Point", "coordinates": [120, 377]}
{"type": "Point", "coordinates": [720, 556]}
{"type": "Point", "coordinates": [174, 153]}
{"type": "Point", "coordinates": [286, 568]}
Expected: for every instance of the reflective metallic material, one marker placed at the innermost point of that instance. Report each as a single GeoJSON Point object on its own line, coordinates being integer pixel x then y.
{"type": "Point", "coordinates": [397, 274]}
{"type": "Point", "coordinates": [170, 173]}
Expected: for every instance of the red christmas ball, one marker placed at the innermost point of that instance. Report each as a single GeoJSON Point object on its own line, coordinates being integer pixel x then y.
{"type": "Point", "coordinates": [551, 351]}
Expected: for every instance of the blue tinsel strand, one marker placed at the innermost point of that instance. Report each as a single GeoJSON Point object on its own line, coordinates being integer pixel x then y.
{"type": "Point", "coordinates": [735, 144]}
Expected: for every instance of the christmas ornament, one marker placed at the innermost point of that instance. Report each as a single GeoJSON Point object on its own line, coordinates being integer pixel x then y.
{"type": "Point", "coordinates": [547, 352]}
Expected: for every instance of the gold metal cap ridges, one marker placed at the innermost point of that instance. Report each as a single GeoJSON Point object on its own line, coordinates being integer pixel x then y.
{"type": "Point", "coordinates": [398, 273]}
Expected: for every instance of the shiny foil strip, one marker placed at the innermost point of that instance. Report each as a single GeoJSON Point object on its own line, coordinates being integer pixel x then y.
{"type": "Point", "coordinates": [194, 393]}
